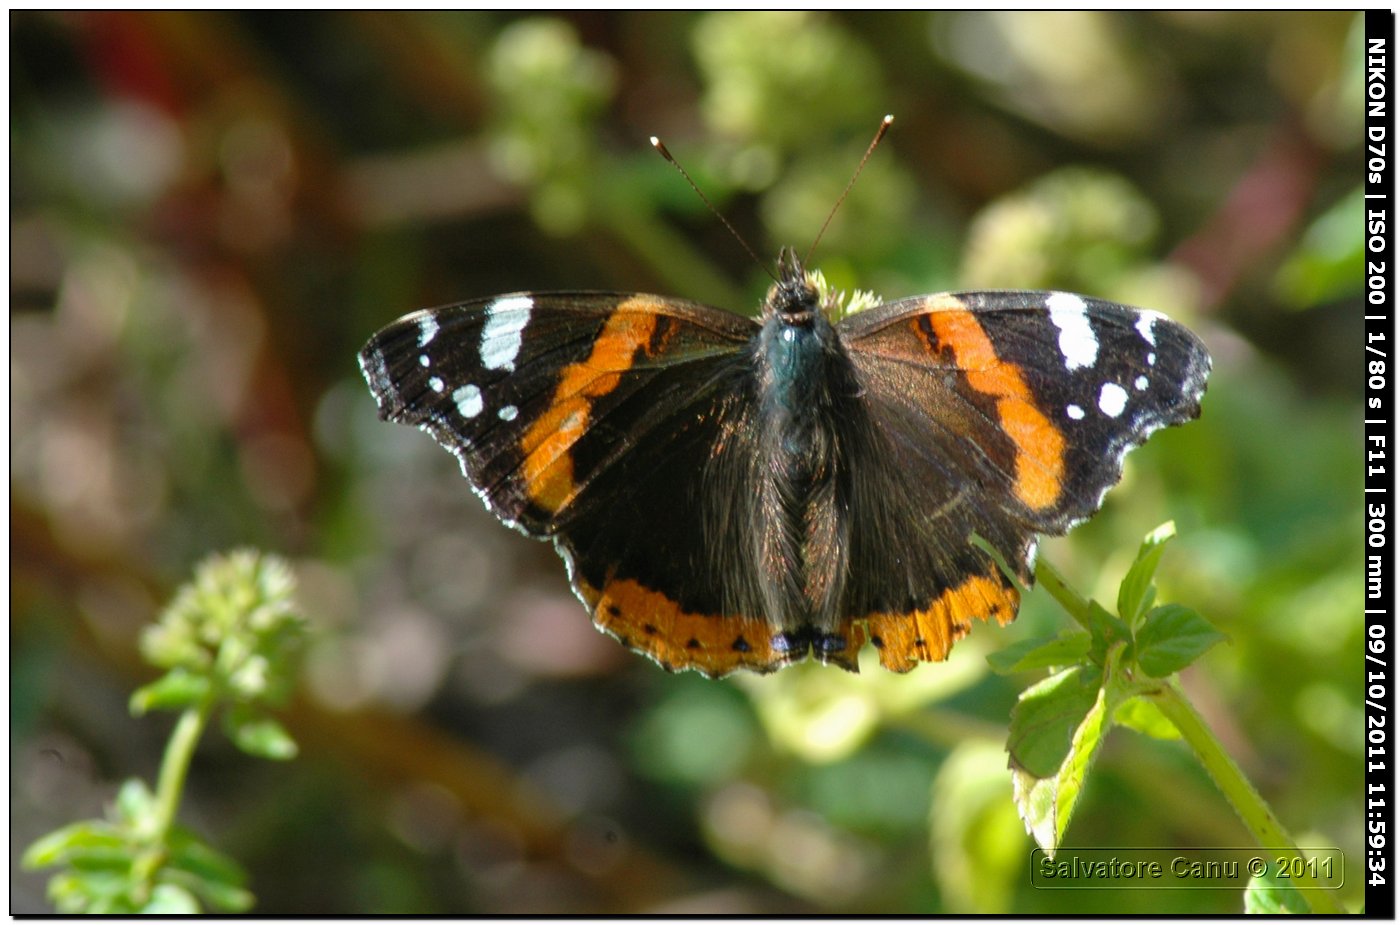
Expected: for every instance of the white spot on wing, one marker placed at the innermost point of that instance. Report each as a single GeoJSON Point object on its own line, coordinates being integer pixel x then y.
{"type": "Point", "coordinates": [1078, 344]}
{"type": "Point", "coordinates": [1144, 326]}
{"type": "Point", "coordinates": [1075, 412]}
{"type": "Point", "coordinates": [436, 384]}
{"type": "Point", "coordinates": [500, 338]}
{"type": "Point", "coordinates": [1140, 383]}
{"type": "Point", "coordinates": [423, 360]}
{"type": "Point", "coordinates": [468, 399]}
{"type": "Point", "coordinates": [427, 330]}
{"type": "Point", "coordinates": [1113, 398]}
{"type": "Point", "coordinates": [507, 413]}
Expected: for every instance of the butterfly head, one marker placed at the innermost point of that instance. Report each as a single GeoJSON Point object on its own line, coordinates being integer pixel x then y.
{"type": "Point", "coordinates": [799, 295]}
{"type": "Point", "coordinates": [793, 299]}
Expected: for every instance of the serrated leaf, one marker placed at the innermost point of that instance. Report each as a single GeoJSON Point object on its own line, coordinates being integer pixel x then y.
{"type": "Point", "coordinates": [177, 689]}
{"type": "Point", "coordinates": [1268, 896]}
{"type": "Point", "coordinates": [1047, 803]}
{"type": "Point", "coordinates": [260, 736]}
{"type": "Point", "coordinates": [169, 899]}
{"type": "Point", "coordinates": [55, 847]}
{"type": "Point", "coordinates": [1136, 592]}
{"type": "Point", "coordinates": [1172, 637]}
{"type": "Point", "coordinates": [1045, 718]}
{"type": "Point", "coordinates": [1033, 654]}
{"type": "Point", "coordinates": [1143, 715]}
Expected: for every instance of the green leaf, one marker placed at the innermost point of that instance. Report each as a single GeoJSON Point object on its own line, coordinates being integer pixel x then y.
{"type": "Point", "coordinates": [56, 847]}
{"type": "Point", "coordinates": [218, 895]}
{"type": "Point", "coordinates": [1032, 654]}
{"type": "Point", "coordinates": [1172, 637]}
{"type": "Point", "coordinates": [189, 853]}
{"type": "Point", "coordinates": [111, 859]}
{"type": "Point", "coordinates": [1045, 718]}
{"type": "Point", "coordinates": [134, 801]}
{"type": "Point", "coordinates": [90, 891]}
{"type": "Point", "coordinates": [177, 689]}
{"type": "Point", "coordinates": [1143, 715]}
{"type": "Point", "coordinates": [1136, 592]}
{"type": "Point", "coordinates": [1107, 631]}
{"type": "Point", "coordinates": [1267, 896]}
{"type": "Point", "coordinates": [1047, 802]}
{"type": "Point", "coordinates": [259, 735]}
{"type": "Point", "coordinates": [168, 899]}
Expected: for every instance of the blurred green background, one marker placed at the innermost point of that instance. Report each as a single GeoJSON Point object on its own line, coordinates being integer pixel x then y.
{"type": "Point", "coordinates": [210, 213]}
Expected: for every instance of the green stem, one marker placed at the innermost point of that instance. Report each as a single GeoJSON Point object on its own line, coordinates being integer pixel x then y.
{"type": "Point", "coordinates": [174, 767]}
{"type": "Point", "coordinates": [176, 764]}
{"type": "Point", "coordinates": [1054, 583]}
{"type": "Point", "coordinates": [1256, 814]}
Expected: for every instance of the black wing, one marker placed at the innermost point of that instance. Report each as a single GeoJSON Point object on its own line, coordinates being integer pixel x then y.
{"type": "Point", "coordinates": [1005, 414]}
{"type": "Point", "coordinates": [602, 420]}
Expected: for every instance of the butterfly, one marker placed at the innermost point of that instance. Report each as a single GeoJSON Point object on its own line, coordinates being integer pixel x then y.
{"type": "Point", "coordinates": [736, 493]}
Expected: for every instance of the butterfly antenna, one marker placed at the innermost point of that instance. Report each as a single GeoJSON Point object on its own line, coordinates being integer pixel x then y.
{"type": "Point", "coordinates": [661, 149]}
{"type": "Point", "coordinates": [885, 124]}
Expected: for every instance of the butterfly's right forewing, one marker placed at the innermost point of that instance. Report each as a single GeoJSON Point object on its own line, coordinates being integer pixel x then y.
{"type": "Point", "coordinates": [621, 426]}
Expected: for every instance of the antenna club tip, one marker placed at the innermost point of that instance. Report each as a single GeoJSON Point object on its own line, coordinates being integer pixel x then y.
{"type": "Point", "coordinates": [661, 149]}
{"type": "Point", "coordinates": [889, 119]}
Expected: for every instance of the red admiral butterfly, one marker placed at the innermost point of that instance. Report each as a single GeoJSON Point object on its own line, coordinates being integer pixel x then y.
{"type": "Point", "coordinates": [729, 493]}
{"type": "Point", "coordinates": [736, 493]}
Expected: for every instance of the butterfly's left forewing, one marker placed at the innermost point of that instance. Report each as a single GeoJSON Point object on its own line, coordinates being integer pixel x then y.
{"type": "Point", "coordinates": [513, 385]}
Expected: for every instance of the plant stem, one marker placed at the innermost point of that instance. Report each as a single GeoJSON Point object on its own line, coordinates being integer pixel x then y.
{"type": "Point", "coordinates": [1054, 583]}
{"type": "Point", "coordinates": [1256, 814]}
{"type": "Point", "coordinates": [176, 764]}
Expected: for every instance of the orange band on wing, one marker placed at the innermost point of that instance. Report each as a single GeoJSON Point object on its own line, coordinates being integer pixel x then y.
{"type": "Point", "coordinates": [548, 466]}
{"type": "Point", "coordinates": [905, 639]}
{"type": "Point", "coordinates": [655, 625]}
{"type": "Point", "coordinates": [1040, 460]}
